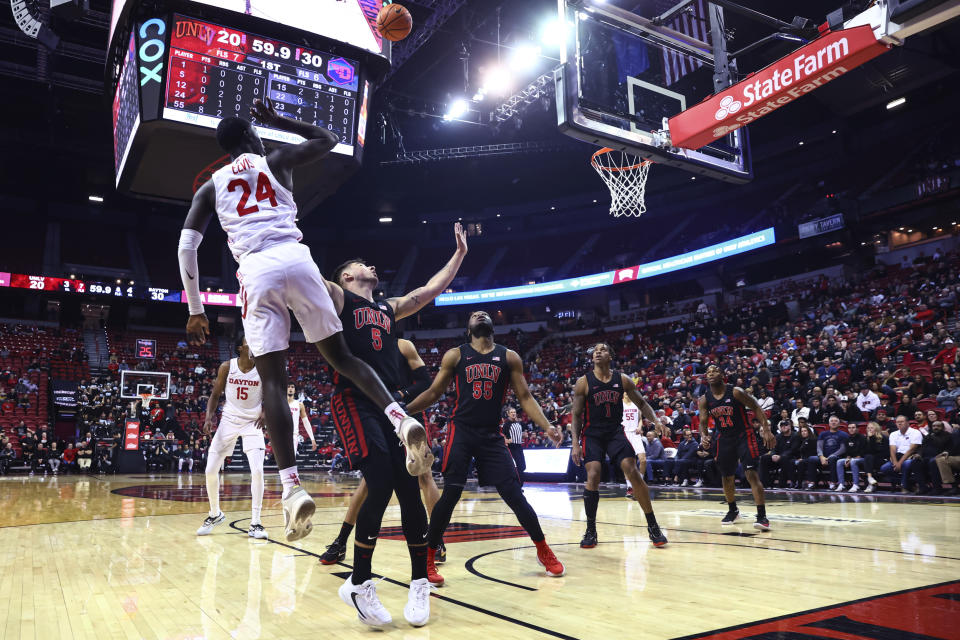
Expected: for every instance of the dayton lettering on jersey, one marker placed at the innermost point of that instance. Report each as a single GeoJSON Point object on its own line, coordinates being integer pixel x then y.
{"type": "Point", "coordinates": [603, 397]}
{"type": "Point", "coordinates": [484, 371]}
{"type": "Point", "coordinates": [366, 316]}
{"type": "Point", "coordinates": [244, 383]}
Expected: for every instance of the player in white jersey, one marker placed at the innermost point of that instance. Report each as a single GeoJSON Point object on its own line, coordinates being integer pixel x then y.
{"type": "Point", "coordinates": [300, 419]}
{"type": "Point", "coordinates": [252, 198]}
{"type": "Point", "coordinates": [242, 417]}
{"type": "Point", "coordinates": [634, 432]}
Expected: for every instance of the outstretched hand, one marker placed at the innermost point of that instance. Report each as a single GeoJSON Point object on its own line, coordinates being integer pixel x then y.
{"type": "Point", "coordinates": [461, 236]}
{"type": "Point", "coordinates": [264, 111]}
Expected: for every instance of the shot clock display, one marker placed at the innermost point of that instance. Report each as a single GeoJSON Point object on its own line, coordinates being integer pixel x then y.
{"type": "Point", "coordinates": [216, 72]}
{"type": "Point", "coordinates": [146, 348]}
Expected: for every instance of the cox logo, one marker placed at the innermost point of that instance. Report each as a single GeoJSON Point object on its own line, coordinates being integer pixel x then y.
{"type": "Point", "coordinates": [152, 50]}
{"type": "Point", "coordinates": [728, 106]}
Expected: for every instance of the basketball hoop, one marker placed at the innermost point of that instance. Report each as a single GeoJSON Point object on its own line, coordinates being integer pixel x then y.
{"type": "Point", "coordinates": [145, 400]}
{"type": "Point", "coordinates": [626, 176]}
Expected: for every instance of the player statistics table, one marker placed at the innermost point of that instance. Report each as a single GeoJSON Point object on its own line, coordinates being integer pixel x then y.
{"type": "Point", "coordinates": [215, 72]}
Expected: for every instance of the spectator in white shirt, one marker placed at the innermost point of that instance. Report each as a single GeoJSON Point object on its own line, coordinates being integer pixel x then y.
{"type": "Point", "coordinates": [868, 401]}
{"type": "Point", "coordinates": [904, 444]}
{"type": "Point", "coordinates": [800, 412]}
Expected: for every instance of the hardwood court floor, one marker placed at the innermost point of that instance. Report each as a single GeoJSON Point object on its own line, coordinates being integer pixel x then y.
{"type": "Point", "coordinates": [117, 557]}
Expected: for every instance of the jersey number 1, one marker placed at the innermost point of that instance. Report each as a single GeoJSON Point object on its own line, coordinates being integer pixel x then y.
{"type": "Point", "coordinates": [264, 192]}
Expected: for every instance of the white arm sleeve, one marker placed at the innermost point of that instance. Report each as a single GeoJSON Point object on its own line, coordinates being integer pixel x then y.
{"type": "Point", "coordinates": [308, 427]}
{"type": "Point", "coordinates": [187, 255]}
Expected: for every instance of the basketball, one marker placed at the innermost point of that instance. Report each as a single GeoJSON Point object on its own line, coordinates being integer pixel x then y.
{"type": "Point", "coordinates": [394, 22]}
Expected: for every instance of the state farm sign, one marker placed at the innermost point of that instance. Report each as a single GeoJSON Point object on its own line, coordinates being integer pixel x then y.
{"type": "Point", "coordinates": [806, 69]}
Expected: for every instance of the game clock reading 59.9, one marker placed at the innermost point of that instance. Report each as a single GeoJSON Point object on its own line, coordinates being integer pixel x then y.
{"type": "Point", "coordinates": [217, 72]}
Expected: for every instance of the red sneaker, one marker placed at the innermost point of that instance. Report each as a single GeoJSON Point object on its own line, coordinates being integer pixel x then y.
{"type": "Point", "coordinates": [547, 560]}
{"type": "Point", "coordinates": [435, 578]}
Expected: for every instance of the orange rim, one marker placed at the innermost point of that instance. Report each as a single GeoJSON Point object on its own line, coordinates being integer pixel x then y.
{"type": "Point", "coordinates": [597, 165]}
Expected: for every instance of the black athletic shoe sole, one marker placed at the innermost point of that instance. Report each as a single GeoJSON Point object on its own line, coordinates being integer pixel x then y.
{"type": "Point", "coordinates": [329, 558]}
{"type": "Point", "coordinates": [762, 525]}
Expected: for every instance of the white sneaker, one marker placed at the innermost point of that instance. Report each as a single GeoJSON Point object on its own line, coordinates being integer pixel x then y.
{"type": "Point", "coordinates": [417, 611]}
{"type": "Point", "coordinates": [685, 483]}
{"type": "Point", "coordinates": [810, 486]}
{"type": "Point", "coordinates": [833, 487]}
{"type": "Point", "coordinates": [363, 597]}
{"type": "Point", "coordinates": [414, 439]}
{"type": "Point", "coordinates": [853, 488]}
{"type": "Point", "coordinates": [209, 523]}
{"type": "Point", "coordinates": [871, 480]}
{"type": "Point", "coordinates": [839, 487]}
{"type": "Point", "coordinates": [699, 483]}
{"type": "Point", "coordinates": [298, 508]}
{"type": "Point", "coordinates": [257, 531]}
{"type": "Point", "coordinates": [869, 489]}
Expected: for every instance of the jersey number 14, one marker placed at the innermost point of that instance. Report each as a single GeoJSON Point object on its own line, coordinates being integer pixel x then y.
{"type": "Point", "coordinates": [264, 191]}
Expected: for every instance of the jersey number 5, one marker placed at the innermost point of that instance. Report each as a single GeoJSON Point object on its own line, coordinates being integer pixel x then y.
{"type": "Point", "coordinates": [377, 340]}
{"type": "Point", "coordinates": [264, 192]}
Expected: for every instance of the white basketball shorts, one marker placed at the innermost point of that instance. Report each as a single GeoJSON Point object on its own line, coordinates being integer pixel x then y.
{"type": "Point", "coordinates": [637, 440]}
{"type": "Point", "coordinates": [274, 280]}
{"type": "Point", "coordinates": [225, 439]}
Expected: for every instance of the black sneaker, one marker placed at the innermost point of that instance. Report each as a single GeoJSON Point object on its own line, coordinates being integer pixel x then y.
{"type": "Point", "coordinates": [441, 555]}
{"type": "Point", "coordinates": [335, 553]}
{"type": "Point", "coordinates": [257, 531]}
{"type": "Point", "coordinates": [762, 523]}
{"type": "Point", "coordinates": [733, 515]}
{"type": "Point", "coordinates": [589, 539]}
{"type": "Point", "coordinates": [656, 536]}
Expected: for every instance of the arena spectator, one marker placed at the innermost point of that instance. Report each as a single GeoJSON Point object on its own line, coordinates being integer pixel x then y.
{"type": "Point", "coordinates": [877, 450]}
{"type": "Point", "coordinates": [781, 457]}
{"type": "Point", "coordinates": [806, 456]}
{"type": "Point", "coordinates": [947, 398]}
{"type": "Point", "coordinates": [934, 444]}
{"type": "Point", "coordinates": [908, 407]}
{"type": "Point", "coordinates": [867, 401]}
{"type": "Point", "coordinates": [656, 456]}
{"type": "Point", "coordinates": [800, 412]}
{"type": "Point", "coordinates": [831, 446]}
{"type": "Point", "coordinates": [686, 456]}
{"type": "Point", "coordinates": [815, 415]}
{"type": "Point", "coordinates": [948, 463]}
{"type": "Point", "coordinates": [53, 457]}
{"type": "Point", "coordinates": [856, 449]}
{"type": "Point", "coordinates": [8, 457]}
{"type": "Point", "coordinates": [705, 466]}
{"type": "Point", "coordinates": [69, 457]}
{"type": "Point", "coordinates": [904, 444]}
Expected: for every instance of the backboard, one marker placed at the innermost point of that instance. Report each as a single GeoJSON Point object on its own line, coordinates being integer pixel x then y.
{"type": "Point", "coordinates": [622, 76]}
{"type": "Point", "coordinates": [134, 383]}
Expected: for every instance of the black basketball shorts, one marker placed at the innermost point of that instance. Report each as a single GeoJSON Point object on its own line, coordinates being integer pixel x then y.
{"type": "Point", "coordinates": [733, 448]}
{"type": "Point", "coordinates": [612, 442]}
{"type": "Point", "coordinates": [494, 463]}
{"type": "Point", "coordinates": [362, 427]}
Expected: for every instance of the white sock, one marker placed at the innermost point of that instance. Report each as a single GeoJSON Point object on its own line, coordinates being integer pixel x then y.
{"type": "Point", "coordinates": [213, 493]}
{"type": "Point", "coordinates": [255, 457]}
{"type": "Point", "coordinates": [396, 415]}
{"type": "Point", "coordinates": [289, 479]}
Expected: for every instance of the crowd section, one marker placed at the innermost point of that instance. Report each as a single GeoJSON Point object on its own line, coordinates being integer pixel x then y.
{"type": "Point", "coordinates": [843, 369]}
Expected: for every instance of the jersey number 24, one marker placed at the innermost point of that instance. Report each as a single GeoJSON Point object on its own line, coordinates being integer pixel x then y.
{"type": "Point", "coordinates": [264, 191]}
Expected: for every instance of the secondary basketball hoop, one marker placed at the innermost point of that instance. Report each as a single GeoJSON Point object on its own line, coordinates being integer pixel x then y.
{"type": "Point", "coordinates": [626, 177]}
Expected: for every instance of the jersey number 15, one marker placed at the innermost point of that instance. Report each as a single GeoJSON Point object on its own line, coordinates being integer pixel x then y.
{"type": "Point", "coordinates": [264, 191]}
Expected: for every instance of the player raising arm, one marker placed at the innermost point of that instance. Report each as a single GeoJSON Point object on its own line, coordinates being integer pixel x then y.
{"type": "Point", "coordinates": [253, 200]}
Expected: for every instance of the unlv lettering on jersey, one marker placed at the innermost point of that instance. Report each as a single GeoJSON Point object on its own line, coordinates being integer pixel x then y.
{"type": "Point", "coordinates": [244, 383]}
{"type": "Point", "coordinates": [721, 411]}
{"type": "Point", "coordinates": [603, 397]}
{"type": "Point", "coordinates": [483, 371]}
{"type": "Point", "coordinates": [366, 316]}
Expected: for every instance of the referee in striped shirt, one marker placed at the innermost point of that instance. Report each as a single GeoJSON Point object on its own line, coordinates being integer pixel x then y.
{"type": "Point", "coordinates": [514, 438]}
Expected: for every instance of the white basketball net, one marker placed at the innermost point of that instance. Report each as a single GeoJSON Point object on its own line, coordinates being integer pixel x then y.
{"type": "Point", "coordinates": [626, 176]}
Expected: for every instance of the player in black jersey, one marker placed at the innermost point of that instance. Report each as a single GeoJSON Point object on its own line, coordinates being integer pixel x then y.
{"type": "Point", "coordinates": [418, 381]}
{"type": "Point", "coordinates": [369, 440]}
{"type": "Point", "coordinates": [727, 406]}
{"type": "Point", "coordinates": [482, 370]}
{"type": "Point", "coordinates": [597, 428]}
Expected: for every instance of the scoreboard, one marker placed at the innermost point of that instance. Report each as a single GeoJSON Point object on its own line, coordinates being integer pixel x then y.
{"type": "Point", "coordinates": [177, 68]}
{"type": "Point", "coordinates": [216, 72]}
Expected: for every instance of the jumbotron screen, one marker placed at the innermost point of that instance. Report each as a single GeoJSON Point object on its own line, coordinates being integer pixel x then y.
{"type": "Point", "coordinates": [216, 72]}
{"type": "Point", "coordinates": [350, 21]}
